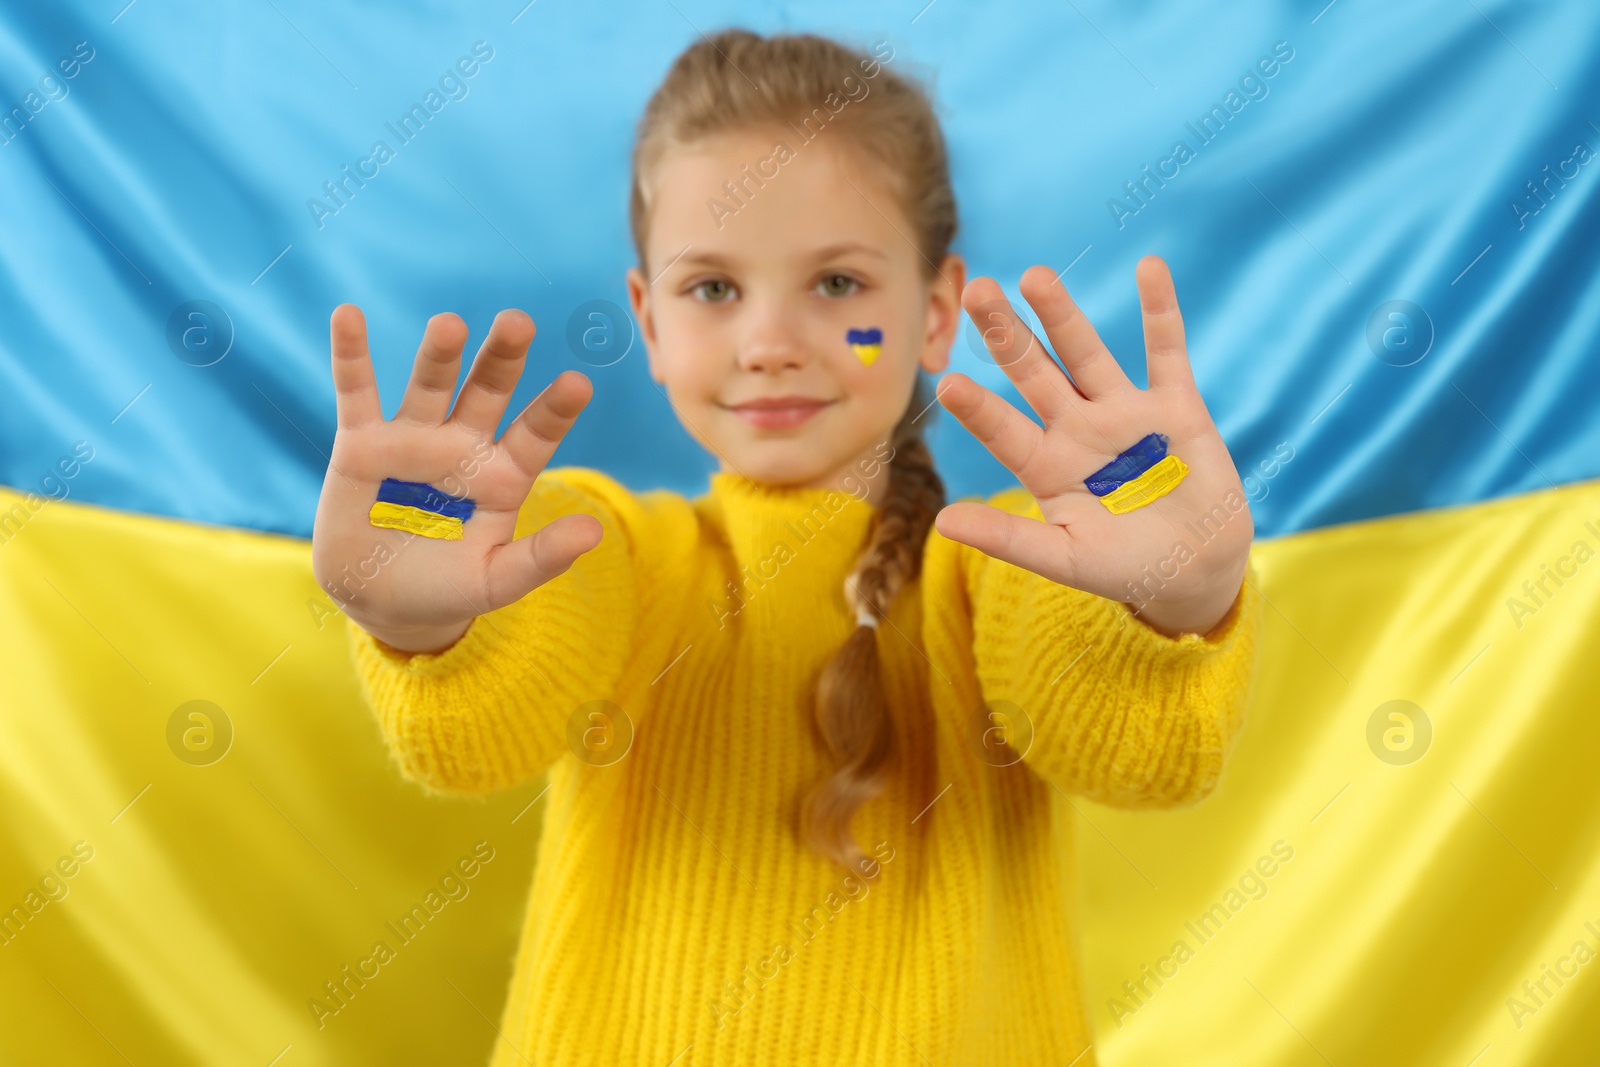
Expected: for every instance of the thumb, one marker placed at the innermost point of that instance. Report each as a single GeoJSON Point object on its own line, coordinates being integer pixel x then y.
{"type": "Point", "coordinates": [518, 568]}
{"type": "Point", "coordinates": [1025, 542]}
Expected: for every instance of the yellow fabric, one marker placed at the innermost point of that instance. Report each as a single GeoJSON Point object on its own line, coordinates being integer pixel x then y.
{"type": "Point", "coordinates": [1153, 484]}
{"type": "Point", "coordinates": [416, 520]}
{"type": "Point", "coordinates": [220, 902]}
{"type": "Point", "coordinates": [1419, 898]}
{"type": "Point", "coordinates": [731, 928]}
{"type": "Point", "coordinates": [1415, 900]}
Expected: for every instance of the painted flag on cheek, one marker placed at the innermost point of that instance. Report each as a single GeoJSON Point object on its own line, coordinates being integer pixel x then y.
{"type": "Point", "coordinates": [866, 344]}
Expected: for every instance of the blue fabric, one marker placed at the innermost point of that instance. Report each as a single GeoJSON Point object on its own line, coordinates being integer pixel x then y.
{"type": "Point", "coordinates": [167, 288]}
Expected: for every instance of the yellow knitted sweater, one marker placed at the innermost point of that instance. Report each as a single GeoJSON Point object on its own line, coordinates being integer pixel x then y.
{"type": "Point", "coordinates": [675, 917]}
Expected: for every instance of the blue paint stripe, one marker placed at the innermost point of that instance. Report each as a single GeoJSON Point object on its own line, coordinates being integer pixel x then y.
{"type": "Point", "coordinates": [873, 336]}
{"type": "Point", "coordinates": [1134, 461]}
{"type": "Point", "coordinates": [424, 496]}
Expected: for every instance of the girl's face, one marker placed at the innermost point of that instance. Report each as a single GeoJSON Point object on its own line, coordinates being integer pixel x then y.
{"type": "Point", "coordinates": [810, 294]}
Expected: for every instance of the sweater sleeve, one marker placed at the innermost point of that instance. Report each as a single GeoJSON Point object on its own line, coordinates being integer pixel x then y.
{"type": "Point", "coordinates": [1119, 712]}
{"type": "Point", "coordinates": [492, 710]}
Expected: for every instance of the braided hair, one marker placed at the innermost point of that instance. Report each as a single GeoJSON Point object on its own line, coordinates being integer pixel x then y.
{"type": "Point", "coordinates": [852, 713]}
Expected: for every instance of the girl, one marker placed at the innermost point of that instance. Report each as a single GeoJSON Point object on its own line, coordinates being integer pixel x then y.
{"type": "Point", "coordinates": [802, 732]}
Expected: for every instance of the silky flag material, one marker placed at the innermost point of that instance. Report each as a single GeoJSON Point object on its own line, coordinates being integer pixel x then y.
{"type": "Point", "coordinates": [1337, 865]}
{"type": "Point", "coordinates": [1391, 298]}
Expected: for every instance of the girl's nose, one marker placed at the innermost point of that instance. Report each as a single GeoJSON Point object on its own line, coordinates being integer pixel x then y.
{"type": "Point", "coordinates": [773, 346]}
{"type": "Point", "coordinates": [772, 352]}
{"type": "Point", "coordinates": [771, 357]}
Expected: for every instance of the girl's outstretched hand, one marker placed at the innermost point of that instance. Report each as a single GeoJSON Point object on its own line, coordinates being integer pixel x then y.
{"type": "Point", "coordinates": [1182, 556]}
{"type": "Point", "coordinates": [420, 593]}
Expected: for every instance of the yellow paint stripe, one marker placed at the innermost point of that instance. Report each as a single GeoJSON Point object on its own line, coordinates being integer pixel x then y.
{"type": "Point", "coordinates": [1154, 483]}
{"type": "Point", "coordinates": [867, 353]}
{"type": "Point", "coordinates": [415, 520]}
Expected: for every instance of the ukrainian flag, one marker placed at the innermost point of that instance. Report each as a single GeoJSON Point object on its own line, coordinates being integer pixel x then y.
{"type": "Point", "coordinates": [1388, 285]}
{"type": "Point", "coordinates": [866, 344]}
{"type": "Point", "coordinates": [417, 507]}
{"type": "Point", "coordinates": [1143, 472]}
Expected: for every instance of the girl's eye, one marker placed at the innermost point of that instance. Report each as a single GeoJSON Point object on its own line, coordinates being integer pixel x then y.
{"type": "Point", "coordinates": [849, 285]}
{"type": "Point", "coordinates": [717, 293]}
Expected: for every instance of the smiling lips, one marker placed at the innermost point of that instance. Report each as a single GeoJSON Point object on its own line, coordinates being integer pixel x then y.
{"type": "Point", "coordinates": [779, 411]}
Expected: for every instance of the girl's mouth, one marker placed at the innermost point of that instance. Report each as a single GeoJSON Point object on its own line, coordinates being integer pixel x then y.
{"type": "Point", "coordinates": [779, 412]}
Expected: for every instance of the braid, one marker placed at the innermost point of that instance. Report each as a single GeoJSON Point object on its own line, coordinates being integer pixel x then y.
{"type": "Point", "coordinates": [852, 714]}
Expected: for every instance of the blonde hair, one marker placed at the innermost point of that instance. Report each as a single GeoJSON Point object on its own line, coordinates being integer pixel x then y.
{"type": "Point", "coordinates": [737, 81]}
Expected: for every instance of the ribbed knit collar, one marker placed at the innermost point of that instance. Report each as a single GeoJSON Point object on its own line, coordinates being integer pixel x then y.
{"type": "Point", "coordinates": [792, 545]}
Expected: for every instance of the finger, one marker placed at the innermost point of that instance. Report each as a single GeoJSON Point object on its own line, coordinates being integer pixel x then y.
{"type": "Point", "coordinates": [532, 437]}
{"type": "Point", "coordinates": [435, 371]}
{"type": "Point", "coordinates": [1040, 547]}
{"type": "Point", "coordinates": [1166, 354]}
{"type": "Point", "coordinates": [1074, 338]}
{"type": "Point", "coordinates": [518, 568]}
{"type": "Point", "coordinates": [1018, 352]}
{"type": "Point", "coordinates": [355, 388]}
{"type": "Point", "coordinates": [495, 370]}
{"type": "Point", "coordinates": [1010, 435]}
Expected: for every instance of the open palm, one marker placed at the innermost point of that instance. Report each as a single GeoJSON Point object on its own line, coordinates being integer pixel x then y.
{"type": "Point", "coordinates": [1089, 419]}
{"type": "Point", "coordinates": [420, 593]}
